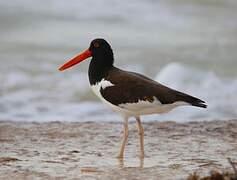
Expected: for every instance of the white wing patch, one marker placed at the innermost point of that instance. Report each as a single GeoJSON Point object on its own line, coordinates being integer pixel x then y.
{"type": "Point", "coordinates": [146, 107]}
{"type": "Point", "coordinates": [141, 105]}
{"type": "Point", "coordinates": [102, 84]}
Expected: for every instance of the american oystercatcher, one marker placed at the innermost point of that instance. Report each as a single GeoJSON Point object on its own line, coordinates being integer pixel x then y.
{"type": "Point", "coordinates": [128, 93]}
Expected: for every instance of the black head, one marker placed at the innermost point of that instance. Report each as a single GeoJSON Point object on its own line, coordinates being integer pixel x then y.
{"type": "Point", "coordinates": [101, 62]}
{"type": "Point", "coordinates": [101, 52]}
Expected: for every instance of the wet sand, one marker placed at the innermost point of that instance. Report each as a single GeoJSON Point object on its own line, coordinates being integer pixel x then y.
{"type": "Point", "coordinates": [88, 150]}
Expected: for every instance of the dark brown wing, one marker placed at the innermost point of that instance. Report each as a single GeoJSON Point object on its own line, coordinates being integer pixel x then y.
{"type": "Point", "coordinates": [130, 87]}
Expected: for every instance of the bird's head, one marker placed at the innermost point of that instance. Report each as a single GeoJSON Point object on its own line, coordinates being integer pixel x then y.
{"type": "Point", "coordinates": [99, 50]}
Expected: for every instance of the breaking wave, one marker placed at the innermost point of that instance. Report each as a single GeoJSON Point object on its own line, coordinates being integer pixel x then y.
{"type": "Point", "coordinates": [58, 98]}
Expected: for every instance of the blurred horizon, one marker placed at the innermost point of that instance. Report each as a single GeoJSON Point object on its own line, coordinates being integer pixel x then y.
{"type": "Point", "coordinates": [188, 45]}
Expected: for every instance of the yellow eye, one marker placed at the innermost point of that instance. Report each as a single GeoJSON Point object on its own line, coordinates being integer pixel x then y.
{"type": "Point", "coordinates": [96, 44]}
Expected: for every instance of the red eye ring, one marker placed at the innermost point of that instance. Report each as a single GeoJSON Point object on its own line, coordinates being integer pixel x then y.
{"type": "Point", "coordinates": [96, 44]}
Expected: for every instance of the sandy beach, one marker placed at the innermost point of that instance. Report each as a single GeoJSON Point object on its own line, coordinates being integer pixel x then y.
{"type": "Point", "coordinates": [60, 150]}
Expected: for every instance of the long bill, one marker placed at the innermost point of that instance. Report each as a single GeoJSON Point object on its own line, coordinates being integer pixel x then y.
{"type": "Point", "coordinates": [79, 58]}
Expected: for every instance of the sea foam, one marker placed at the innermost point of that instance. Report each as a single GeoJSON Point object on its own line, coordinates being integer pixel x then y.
{"type": "Point", "coordinates": [59, 98]}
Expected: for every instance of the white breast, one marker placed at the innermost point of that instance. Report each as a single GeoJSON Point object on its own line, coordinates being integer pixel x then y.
{"type": "Point", "coordinates": [104, 84]}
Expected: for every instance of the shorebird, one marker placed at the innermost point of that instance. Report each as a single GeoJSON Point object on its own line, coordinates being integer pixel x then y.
{"type": "Point", "coordinates": [128, 93]}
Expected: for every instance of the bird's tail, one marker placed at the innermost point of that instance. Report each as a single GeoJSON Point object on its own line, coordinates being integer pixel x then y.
{"type": "Point", "coordinates": [192, 100]}
{"type": "Point", "coordinates": [199, 103]}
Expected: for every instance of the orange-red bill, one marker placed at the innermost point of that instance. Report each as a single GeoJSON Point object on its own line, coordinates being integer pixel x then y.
{"type": "Point", "coordinates": [76, 60]}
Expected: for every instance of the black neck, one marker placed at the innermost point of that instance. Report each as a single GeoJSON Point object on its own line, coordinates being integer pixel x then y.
{"type": "Point", "coordinates": [98, 69]}
{"type": "Point", "coordinates": [101, 62]}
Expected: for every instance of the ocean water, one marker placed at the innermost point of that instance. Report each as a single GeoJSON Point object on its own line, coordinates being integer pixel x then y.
{"type": "Point", "coordinates": [187, 45]}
